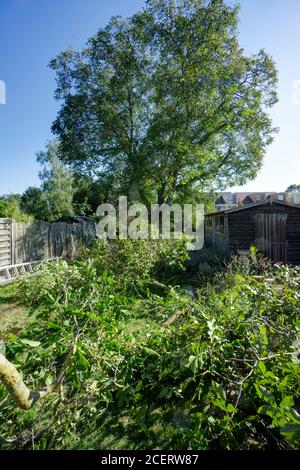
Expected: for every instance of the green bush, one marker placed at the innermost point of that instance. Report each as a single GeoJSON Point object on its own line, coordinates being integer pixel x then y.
{"type": "Point", "coordinates": [135, 263]}
{"type": "Point", "coordinates": [10, 208]}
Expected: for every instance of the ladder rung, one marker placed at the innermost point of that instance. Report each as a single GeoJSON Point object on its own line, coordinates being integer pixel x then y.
{"type": "Point", "coordinates": [11, 273]}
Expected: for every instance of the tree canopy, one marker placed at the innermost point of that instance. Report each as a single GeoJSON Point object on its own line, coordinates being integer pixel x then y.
{"type": "Point", "coordinates": [34, 202]}
{"type": "Point", "coordinates": [10, 207]}
{"type": "Point", "coordinates": [293, 188]}
{"type": "Point", "coordinates": [166, 102]}
{"type": "Point", "coordinates": [57, 184]}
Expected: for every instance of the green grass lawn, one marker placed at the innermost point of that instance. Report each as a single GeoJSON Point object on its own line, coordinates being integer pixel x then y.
{"type": "Point", "coordinates": [13, 315]}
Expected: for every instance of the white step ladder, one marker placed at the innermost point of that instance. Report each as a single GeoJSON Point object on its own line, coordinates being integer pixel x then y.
{"type": "Point", "coordinates": [15, 272]}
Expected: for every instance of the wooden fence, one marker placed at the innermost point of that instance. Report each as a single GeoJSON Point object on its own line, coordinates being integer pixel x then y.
{"type": "Point", "coordinates": [5, 242]}
{"type": "Point", "coordinates": [25, 242]}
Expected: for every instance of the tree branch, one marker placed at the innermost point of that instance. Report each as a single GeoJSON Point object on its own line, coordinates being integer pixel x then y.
{"type": "Point", "coordinates": [12, 380]}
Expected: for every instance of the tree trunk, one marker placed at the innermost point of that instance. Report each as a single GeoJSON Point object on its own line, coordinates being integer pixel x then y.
{"type": "Point", "coordinates": [13, 381]}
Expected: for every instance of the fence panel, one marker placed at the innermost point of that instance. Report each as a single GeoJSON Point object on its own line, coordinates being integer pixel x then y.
{"type": "Point", "coordinates": [25, 242]}
{"type": "Point", "coordinates": [5, 242]}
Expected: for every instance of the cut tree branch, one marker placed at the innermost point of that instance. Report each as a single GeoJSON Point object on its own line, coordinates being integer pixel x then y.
{"type": "Point", "coordinates": [12, 380]}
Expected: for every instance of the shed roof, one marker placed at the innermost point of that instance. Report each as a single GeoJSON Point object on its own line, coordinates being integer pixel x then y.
{"type": "Point", "coordinates": [270, 202]}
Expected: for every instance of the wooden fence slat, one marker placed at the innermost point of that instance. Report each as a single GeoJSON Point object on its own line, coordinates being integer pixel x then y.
{"type": "Point", "coordinates": [24, 242]}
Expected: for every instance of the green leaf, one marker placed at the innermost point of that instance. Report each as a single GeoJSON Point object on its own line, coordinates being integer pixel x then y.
{"type": "Point", "coordinates": [220, 404]}
{"type": "Point", "coordinates": [287, 402]}
{"type": "Point", "coordinates": [292, 414]}
{"type": "Point", "coordinates": [150, 351]}
{"type": "Point", "coordinates": [81, 361]}
{"type": "Point", "coordinates": [29, 342]}
{"type": "Point", "coordinates": [262, 367]}
{"type": "Point", "coordinates": [268, 410]}
{"type": "Point", "coordinates": [265, 394]}
{"type": "Point", "coordinates": [52, 325]}
{"type": "Point", "coordinates": [231, 408]}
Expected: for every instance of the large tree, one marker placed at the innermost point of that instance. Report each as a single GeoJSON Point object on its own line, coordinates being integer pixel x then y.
{"type": "Point", "coordinates": [166, 101]}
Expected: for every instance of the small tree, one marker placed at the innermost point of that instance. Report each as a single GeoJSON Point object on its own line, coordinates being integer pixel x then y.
{"type": "Point", "coordinates": [57, 183]}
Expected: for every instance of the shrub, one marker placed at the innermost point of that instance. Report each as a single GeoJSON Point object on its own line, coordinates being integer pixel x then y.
{"type": "Point", "coordinates": [135, 263]}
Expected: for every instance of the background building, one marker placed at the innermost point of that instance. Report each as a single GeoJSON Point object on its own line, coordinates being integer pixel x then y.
{"type": "Point", "coordinates": [228, 200]}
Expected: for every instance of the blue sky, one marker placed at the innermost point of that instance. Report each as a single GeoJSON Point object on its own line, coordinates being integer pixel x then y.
{"type": "Point", "coordinates": [34, 31]}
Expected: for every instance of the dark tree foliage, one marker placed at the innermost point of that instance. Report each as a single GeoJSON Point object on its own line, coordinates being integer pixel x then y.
{"type": "Point", "coordinates": [33, 202]}
{"type": "Point", "coordinates": [293, 188]}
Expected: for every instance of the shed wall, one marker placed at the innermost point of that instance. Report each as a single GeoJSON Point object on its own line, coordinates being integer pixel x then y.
{"type": "Point", "coordinates": [241, 229]}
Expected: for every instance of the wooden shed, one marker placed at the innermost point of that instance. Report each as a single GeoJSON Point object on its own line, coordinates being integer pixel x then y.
{"type": "Point", "coordinates": [272, 226]}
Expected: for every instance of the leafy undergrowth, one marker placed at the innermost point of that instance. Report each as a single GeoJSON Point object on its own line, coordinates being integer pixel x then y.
{"type": "Point", "coordinates": [152, 366]}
